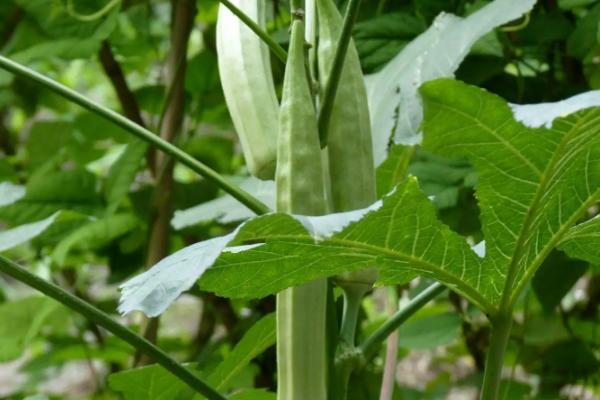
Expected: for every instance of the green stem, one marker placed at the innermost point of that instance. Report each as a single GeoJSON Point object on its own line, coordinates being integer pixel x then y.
{"type": "Point", "coordinates": [353, 295]}
{"type": "Point", "coordinates": [279, 52]}
{"type": "Point", "coordinates": [242, 196]}
{"type": "Point", "coordinates": [93, 314]}
{"type": "Point", "coordinates": [372, 343]}
{"type": "Point", "coordinates": [501, 325]}
{"type": "Point", "coordinates": [335, 74]}
{"type": "Point", "coordinates": [94, 16]}
{"type": "Point", "coordinates": [302, 347]}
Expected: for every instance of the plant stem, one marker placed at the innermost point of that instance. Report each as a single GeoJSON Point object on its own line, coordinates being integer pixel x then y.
{"type": "Point", "coordinates": [353, 295]}
{"type": "Point", "coordinates": [172, 118]}
{"type": "Point", "coordinates": [301, 352]}
{"type": "Point", "coordinates": [92, 313]}
{"type": "Point", "coordinates": [332, 83]}
{"type": "Point", "coordinates": [371, 344]}
{"type": "Point", "coordinates": [388, 382]}
{"type": "Point", "coordinates": [115, 74]}
{"type": "Point", "coordinates": [242, 196]}
{"type": "Point", "coordinates": [277, 50]}
{"type": "Point", "coordinates": [501, 325]}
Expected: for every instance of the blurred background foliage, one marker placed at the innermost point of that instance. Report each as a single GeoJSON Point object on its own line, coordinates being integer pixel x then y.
{"type": "Point", "coordinates": [67, 159]}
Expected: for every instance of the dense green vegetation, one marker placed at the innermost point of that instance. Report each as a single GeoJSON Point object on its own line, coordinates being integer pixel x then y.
{"type": "Point", "coordinates": [424, 230]}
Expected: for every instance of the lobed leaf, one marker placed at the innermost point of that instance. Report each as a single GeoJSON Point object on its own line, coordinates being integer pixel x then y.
{"type": "Point", "coordinates": [534, 184]}
{"type": "Point", "coordinates": [402, 234]}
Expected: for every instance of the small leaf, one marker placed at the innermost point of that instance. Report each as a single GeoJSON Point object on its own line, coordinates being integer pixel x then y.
{"type": "Point", "coordinates": [122, 173]}
{"type": "Point", "coordinates": [22, 321]}
{"type": "Point", "coordinates": [24, 233]}
{"type": "Point", "coordinates": [259, 337]}
{"type": "Point", "coordinates": [154, 382]}
{"type": "Point", "coordinates": [430, 331]}
{"type": "Point", "coordinates": [94, 235]}
{"type": "Point", "coordinates": [10, 193]}
{"type": "Point", "coordinates": [150, 382]}
{"type": "Point", "coordinates": [73, 190]}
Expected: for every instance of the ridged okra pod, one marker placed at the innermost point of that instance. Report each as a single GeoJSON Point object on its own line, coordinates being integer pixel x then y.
{"type": "Point", "coordinates": [301, 310]}
{"type": "Point", "coordinates": [247, 81]}
{"type": "Point", "coordinates": [349, 144]}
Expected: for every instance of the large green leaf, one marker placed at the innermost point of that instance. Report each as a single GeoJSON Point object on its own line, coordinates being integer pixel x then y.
{"type": "Point", "coordinates": [403, 236]}
{"type": "Point", "coordinates": [400, 234]}
{"type": "Point", "coordinates": [534, 184]}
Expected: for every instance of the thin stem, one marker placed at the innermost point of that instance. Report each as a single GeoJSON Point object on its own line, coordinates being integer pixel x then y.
{"type": "Point", "coordinates": [172, 118]}
{"type": "Point", "coordinates": [92, 313]}
{"type": "Point", "coordinates": [335, 74]}
{"type": "Point", "coordinates": [391, 354]}
{"type": "Point", "coordinates": [494, 362]}
{"type": "Point", "coordinates": [277, 50]}
{"type": "Point", "coordinates": [95, 15]}
{"type": "Point", "coordinates": [353, 295]}
{"type": "Point", "coordinates": [372, 342]}
{"type": "Point", "coordinates": [242, 196]}
{"type": "Point", "coordinates": [115, 74]}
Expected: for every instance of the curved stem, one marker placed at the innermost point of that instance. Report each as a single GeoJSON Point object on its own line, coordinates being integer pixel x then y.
{"type": "Point", "coordinates": [93, 16]}
{"type": "Point", "coordinates": [242, 196]}
{"type": "Point", "coordinates": [92, 313]}
{"type": "Point", "coordinates": [353, 295]}
{"type": "Point", "coordinates": [335, 74]}
{"type": "Point", "coordinates": [494, 362]}
{"type": "Point", "coordinates": [371, 344]}
{"type": "Point", "coordinates": [279, 52]}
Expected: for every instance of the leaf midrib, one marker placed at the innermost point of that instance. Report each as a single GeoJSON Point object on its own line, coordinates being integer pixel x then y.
{"type": "Point", "coordinates": [377, 251]}
{"type": "Point", "coordinates": [509, 296]}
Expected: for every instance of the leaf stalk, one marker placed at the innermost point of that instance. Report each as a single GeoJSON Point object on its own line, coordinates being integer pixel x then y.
{"type": "Point", "coordinates": [373, 342]}
{"type": "Point", "coordinates": [501, 325]}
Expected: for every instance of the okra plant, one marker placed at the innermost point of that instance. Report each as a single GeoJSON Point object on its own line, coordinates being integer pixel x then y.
{"type": "Point", "coordinates": [376, 164]}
